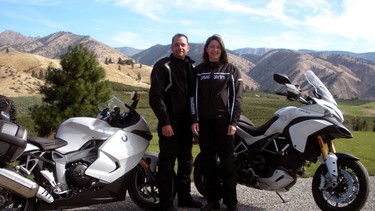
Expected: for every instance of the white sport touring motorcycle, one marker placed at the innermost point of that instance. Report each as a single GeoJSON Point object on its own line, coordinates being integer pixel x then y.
{"type": "Point", "coordinates": [271, 156]}
{"type": "Point", "coordinates": [91, 161]}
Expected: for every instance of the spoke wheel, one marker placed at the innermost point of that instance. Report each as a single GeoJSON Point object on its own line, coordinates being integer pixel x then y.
{"type": "Point", "coordinates": [11, 201]}
{"type": "Point", "coordinates": [351, 191]}
{"type": "Point", "coordinates": [144, 191]}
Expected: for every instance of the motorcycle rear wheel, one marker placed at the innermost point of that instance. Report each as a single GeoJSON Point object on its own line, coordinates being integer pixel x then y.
{"type": "Point", "coordinates": [11, 201]}
{"type": "Point", "coordinates": [351, 191]}
{"type": "Point", "coordinates": [144, 191]}
{"type": "Point", "coordinates": [199, 180]}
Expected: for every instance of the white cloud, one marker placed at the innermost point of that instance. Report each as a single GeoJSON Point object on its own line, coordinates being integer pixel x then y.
{"type": "Point", "coordinates": [24, 15]}
{"type": "Point", "coordinates": [353, 23]}
{"type": "Point", "coordinates": [228, 21]}
{"type": "Point", "coordinates": [186, 22]}
{"type": "Point", "coordinates": [131, 39]}
{"type": "Point", "coordinates": [126, 38]}
{"type": "Point", "coordinates": [35, 2]}
{"type": "Point", "coordinates": [150, 9]}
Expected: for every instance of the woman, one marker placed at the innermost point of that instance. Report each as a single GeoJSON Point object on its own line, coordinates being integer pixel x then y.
{"type": "Point", "coordinates": [216, 107]}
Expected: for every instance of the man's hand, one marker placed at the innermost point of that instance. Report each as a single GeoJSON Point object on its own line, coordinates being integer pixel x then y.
{"type": "Point", "coordinates": [167, 130]}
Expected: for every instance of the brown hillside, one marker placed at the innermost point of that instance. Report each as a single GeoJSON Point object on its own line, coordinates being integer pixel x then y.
{"type": "Point", "coordinates": [17, 70]}
{"type": "Point", "coordinates": [125, 74]}
{"type": "Point", "coordinates": [341, 79]}
{"type": "Point", "coordinates": [8, 38]}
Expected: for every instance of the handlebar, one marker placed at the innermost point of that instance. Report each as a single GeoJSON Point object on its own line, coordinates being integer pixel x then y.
{"type": "Point", "coordinates": [299, 99]}
{"type": "Point", "coordinates": [282, 93]}
{"type": "Point", "coordinates": [117, 118]}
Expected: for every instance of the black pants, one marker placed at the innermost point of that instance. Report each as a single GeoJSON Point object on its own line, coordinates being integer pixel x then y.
{"type": "Point", "coordinates": [214, 142]}
{"type": "Point", "coordinates": [177, 147]}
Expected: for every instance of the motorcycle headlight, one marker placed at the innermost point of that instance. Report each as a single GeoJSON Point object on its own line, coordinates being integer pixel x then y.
{"type": "Point", "coordinates": [329, 112]}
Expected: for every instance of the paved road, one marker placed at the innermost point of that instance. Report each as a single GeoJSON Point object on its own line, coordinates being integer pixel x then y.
{"type": "Point", "coordinates": [298, 198]}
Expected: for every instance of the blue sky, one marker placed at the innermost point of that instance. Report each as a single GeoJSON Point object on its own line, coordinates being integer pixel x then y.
{"type": "Point", "coordinates": [346, 25]}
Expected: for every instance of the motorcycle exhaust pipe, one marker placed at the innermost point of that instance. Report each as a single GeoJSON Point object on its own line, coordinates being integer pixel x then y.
{"type": "Point", "coordinates": [23, 186]}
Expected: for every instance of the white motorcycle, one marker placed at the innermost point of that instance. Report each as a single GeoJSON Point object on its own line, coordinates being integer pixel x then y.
{"type": "Point", "coordinates": [271, 156]}
{"type": "Point", "coordinates": [91, 161]}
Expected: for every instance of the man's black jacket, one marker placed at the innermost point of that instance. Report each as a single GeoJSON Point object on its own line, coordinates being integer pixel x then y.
{"type": "Point", "coordinates": [170, 88]}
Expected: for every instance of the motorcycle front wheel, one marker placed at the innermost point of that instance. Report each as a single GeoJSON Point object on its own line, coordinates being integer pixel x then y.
{"type": "Point", "coordinates": [351, 191]}
{"type": "Point", "coordinates": [198, 175]}
{"type": "Point", "coordinates": [11, 201]}
{"type": "Point", "coordinates": [144, 190]}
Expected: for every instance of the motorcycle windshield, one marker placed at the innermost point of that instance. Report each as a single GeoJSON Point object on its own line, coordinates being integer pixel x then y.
{"type": "Point", "coordinates": [112, 103]}
{"type": "Point", "coordinates": [321, 90]}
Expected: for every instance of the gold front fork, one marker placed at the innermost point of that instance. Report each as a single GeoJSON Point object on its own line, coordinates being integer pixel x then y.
{"type": "Point", "coordinates": [331, 147]}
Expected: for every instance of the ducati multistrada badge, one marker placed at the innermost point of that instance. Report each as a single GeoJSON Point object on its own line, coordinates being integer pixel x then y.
{"type": "Point", "coordinates": [124, 138]}
{"type": "Point", "coordinates": [304, 111]}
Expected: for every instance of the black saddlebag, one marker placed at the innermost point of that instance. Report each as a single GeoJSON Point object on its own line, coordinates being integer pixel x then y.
{"type": "Point", "coordinates": [13, 140]}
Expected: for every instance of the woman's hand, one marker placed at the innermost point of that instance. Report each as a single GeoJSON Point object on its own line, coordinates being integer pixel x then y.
{"type": "Point", "coordinates": [195, 129]}
{"type": "Point", "coordinates": [231, 130]}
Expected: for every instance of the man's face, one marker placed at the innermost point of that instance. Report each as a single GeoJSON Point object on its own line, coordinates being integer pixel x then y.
{"type": "Point", "coordinates": [180, 47]}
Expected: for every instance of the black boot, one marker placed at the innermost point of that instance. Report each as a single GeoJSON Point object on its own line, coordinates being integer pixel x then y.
{"type": "Point", "coordinates": [187, 201]}
{"type": "Point", "coordinates": [232, 208]}
{"type": "Point", "coordinates": [211, 206]}
{"type": "Point", "coordinates": [191, 204]}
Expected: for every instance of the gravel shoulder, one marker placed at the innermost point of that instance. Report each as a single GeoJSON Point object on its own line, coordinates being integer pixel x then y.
{"type": "Point", "coordinates": [298, 197]}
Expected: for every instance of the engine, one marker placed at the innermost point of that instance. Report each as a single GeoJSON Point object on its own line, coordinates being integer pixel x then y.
{"type": "Point", "coordinates": [76, 177]}
{"type": "Point", "coordinates": [266, 161]}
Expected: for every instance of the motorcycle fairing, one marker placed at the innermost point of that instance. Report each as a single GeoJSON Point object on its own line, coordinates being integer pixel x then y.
{"type": "Point", "coordinates": [77, 131]}
{"type": "Point", "coordinates": [99, 193]}
{"type": "Point", "coordinates": [279, 181]}
{"type": "Point", "coordinates": [288, 114]}
{"type": "Point", "coordinates": [117, 156]}
{"type": "Point", "coordinates": [302, 130]}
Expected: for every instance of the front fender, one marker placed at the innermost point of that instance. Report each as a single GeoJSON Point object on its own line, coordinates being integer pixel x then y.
{"type": "Point", "coordinates": [333, 158]}
{"type": "Point", "coordinates": [346, 156]}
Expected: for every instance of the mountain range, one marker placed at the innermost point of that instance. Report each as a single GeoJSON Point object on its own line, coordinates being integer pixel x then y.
{"type": "Point", "coordinates": [347, 75]}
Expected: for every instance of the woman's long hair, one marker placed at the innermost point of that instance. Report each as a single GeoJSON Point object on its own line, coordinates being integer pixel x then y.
{"type": "Point", "coordinates": [223, 56]}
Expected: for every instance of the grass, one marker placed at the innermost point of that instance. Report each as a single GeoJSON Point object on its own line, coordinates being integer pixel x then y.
{"type": "Point", "coordinates": [257, 106]}
{"type": "Point", "coordinates": [361, 146]}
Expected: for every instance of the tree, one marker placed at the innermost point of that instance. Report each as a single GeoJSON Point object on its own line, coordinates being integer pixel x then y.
{"type": "Point", "coordinates": [41, 74]}
{"type": "Point", "coordinates": [139, 77]}
{"type": "Point", "coordinates": [119, 60]}
{"type": "Point", "coordinates": [73, 90]}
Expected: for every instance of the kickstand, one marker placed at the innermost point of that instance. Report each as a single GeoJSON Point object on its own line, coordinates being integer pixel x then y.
{"type": "Point", "coordinates": [280, 197]}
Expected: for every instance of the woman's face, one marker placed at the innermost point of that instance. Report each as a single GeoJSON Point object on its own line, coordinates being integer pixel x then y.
{"type": "Point", "coordinates": [214, 51]}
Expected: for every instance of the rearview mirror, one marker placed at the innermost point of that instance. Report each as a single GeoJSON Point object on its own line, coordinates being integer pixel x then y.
{"type": "Point", "coordinates": [281, 78]}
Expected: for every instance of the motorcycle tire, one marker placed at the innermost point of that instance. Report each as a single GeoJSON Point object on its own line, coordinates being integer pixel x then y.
{"type": "Point", "coordinates": [199, 180]}
{"type": "Point", "coordinates": [10, 201]}
{"type": "Point", "coordinates": [198, 176]}
{"type": "Point", "coordinates": [144, 191]}
{"type": "Point", "coordinates": [351, 191]}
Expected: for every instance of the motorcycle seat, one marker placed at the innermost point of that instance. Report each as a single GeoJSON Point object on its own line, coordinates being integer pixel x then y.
{"type": "Point", "coordinates": [47, 143]}
{"type": "Point", "coordinates": [246, 125]}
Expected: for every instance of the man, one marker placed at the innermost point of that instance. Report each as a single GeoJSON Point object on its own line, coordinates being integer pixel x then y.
{"type": "Point", "coordinates": [169, 99]}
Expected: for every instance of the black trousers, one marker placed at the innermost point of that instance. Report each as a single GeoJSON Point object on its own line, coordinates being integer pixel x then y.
{"type": "Point", "coordinates": [214, 142]}
{"type": "Point", "coordinates": [177, 147]}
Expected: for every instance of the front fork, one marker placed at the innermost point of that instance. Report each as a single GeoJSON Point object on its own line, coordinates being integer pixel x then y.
{"type": "Point", "coordinates": [329, 158]}
{"type": "Point", "coordinates": [149, 163]}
